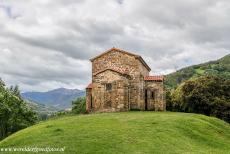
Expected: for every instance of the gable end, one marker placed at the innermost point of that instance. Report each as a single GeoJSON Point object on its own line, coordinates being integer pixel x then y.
{"type": "Point", "coordinates": [128, 53]}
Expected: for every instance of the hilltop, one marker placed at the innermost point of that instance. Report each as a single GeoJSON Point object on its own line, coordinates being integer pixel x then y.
{"type": "Point", "coordinates": [220, 67]}
{"type": "Point", "coordinates": [128, 132]}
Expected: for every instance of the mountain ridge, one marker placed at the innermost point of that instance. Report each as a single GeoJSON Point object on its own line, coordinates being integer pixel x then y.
{"type": "Point", "coordinates": [60, 98]}
{"type": "Point", "coordinates": [219, 67]}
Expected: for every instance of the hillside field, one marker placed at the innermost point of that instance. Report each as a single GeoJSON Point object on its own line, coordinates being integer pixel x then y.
{"type": "Point", "coordinates": [220, 67]}
{"type": "Point", "coordinates": [128, 132]}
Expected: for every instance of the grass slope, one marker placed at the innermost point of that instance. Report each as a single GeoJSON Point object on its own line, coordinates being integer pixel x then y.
{"type": "Point", "coordinates": [220, 67]}
{"type": "Point", "coordinates": [128, 132]}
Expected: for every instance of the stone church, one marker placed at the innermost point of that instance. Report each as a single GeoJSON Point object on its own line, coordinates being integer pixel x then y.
{"type": "Point", "coordinates": [121, 82]}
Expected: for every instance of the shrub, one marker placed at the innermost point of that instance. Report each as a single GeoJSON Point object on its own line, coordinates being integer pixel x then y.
{"type": "Point", "coordinates": [78, 106]}
{"type": "Point", "coordinates": [209, 95]}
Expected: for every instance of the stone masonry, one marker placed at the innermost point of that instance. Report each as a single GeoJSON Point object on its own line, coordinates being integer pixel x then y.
{"type": "Point", "coordinates": [121, 82]}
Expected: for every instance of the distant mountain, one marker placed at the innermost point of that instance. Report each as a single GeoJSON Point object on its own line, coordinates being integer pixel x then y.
{"type": "Point", "coordinates": [43, 111]}
{"type": "Point", "coordinates": [220, 67]}
{"type": "Point", "coordinates": [59, 98]}
{"type": "Point", "coordinates": [41, 108]}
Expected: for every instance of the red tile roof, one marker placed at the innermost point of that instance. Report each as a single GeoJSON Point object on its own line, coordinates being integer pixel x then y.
{"type": "Point", "coordinates": [154, 78]}
{"type": "Point", "coordinates": [90, 86]}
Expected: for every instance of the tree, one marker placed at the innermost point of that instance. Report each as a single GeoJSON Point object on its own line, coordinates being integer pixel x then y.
{"type": "Point", "coordinates": [15, 90]}
{"type": "Point", "coordinates": [14, 113]}
{"type": "Point", "coordinates": [209, 95]}
{"type": "Point", "coordinates": [78, 106]}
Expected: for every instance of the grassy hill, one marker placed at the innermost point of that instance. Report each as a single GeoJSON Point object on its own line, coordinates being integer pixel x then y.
{"type": "Point", "coordinates": [128, 132]}
{"type": "Point", "coordinates": [220, 67]}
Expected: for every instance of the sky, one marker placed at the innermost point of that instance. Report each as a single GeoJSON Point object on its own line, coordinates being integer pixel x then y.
{"type": "Point", "coordinates": [47, 44]}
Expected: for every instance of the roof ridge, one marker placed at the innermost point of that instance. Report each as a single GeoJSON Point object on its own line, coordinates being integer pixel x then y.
{"type": "Point", "coordinates": [111, 49]}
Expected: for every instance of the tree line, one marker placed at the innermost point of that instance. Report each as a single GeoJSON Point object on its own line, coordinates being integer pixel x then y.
{"type": "Point", "coordinates": [208, 95]}
{"type": "Point", "coordinates": [14, 112]}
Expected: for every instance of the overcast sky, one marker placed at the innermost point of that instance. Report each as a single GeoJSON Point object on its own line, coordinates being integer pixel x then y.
{"type": "Point", "coordinates": [46, 44]}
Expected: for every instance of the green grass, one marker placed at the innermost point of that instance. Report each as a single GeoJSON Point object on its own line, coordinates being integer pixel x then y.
{"type": "Point", "coordinates": [200, 71]}
{"type": "Point", "coordinates": [128, 132]}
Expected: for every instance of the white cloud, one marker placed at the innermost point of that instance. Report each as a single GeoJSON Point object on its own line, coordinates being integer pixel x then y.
{"type": "Point", "coordinates": [46, 44]}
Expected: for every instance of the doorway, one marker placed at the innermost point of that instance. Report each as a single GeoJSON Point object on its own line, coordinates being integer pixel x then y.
{"type": "Point", "coordinates": [91, 101]}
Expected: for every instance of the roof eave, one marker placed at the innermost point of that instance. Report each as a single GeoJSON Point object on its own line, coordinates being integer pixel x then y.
{"type": "Point", "coordinates": [113, 48]}
{"type": "Point", "coordinates": [144, 63]}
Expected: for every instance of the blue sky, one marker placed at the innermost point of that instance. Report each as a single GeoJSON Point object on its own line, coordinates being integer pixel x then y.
{"type": "Point", "coordinates": [47, 44]}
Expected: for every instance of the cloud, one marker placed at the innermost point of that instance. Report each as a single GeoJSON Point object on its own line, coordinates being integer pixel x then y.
{"type": "Point", "coordinates": [46, 44]}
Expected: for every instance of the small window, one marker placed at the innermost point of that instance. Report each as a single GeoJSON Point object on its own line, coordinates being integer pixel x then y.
{"type": "Point", "coordinates": [108, 86]}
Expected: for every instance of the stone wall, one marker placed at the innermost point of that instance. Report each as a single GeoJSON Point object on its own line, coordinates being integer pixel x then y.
{"type": "Point", "coordinates": [133, 67]}
{"type": "Point", "coordinates": [155, 95]}
{"type": "Point", "coordinates": [115, 60]}
{"type": "Point", "coordinates": [141, 85]}
{"type": "Point", "coordinates": [115, 99]}
{"type": "Point", "coordinates": [89, 104]}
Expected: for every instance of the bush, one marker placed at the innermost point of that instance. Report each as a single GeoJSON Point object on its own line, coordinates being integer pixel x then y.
{"type": "Point", "coordinates": [79, 105]}
{"type": "Point", "coordinates": [209, 95]}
